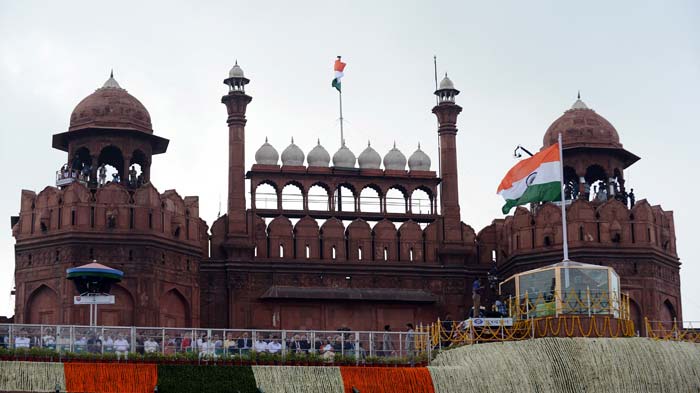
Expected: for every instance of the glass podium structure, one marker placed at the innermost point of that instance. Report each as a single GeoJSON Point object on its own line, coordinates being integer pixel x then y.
{"type": "Point", "coordinates": [565, 288]}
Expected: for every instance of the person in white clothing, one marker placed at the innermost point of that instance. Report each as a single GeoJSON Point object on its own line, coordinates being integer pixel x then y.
{"type": "Point", "coordinates": [150, 346]}
{"type": "Point", "coordinates": [274, 345]}
{"type": "Point", "coordinates": [22, 341]}
{"type": "Point", "coordinates": [121, 347]}
{"type": "Point", "coordinates": [48, 340]}
{"type": "Point", "coordinates": [260, 346]}
{"type": "Point", "coordinates": [108, 344]}
{"type": "Point", "coordinates": [207, 349]}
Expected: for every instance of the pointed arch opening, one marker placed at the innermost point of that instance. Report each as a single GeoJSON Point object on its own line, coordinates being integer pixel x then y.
{"type": "Point", "coordinates": [265, 196]}
{"type": "Point", "coordinates": [292, 197]}
{"type": "Point", "coordinates": [174, 309]}
{"type": "Point", "coordinates": [396, 201]}
{"type": "Point", "coordinates": [318, 199]}
{"type": "Point", "coordinates": [370, 200]}
{"type": "Point", "coordinates": [421, 202]}
{"type": "Point", "coordinates": [42, 306]}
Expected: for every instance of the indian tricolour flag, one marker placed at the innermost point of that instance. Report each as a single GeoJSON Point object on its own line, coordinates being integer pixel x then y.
{"type": "Point", "coordinates": [535, 179]}
{"type": "Point", "coordinates": [338, 67]}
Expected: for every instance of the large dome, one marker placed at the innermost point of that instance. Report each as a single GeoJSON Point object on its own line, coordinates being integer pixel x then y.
{"type": "Point", "coordinates": [111, 107]}
{"type": "Point", "coordinates": [581, 126]}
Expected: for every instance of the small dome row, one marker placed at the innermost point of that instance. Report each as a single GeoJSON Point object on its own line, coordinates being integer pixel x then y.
{"type": "Point", "coordinates": [343, 158]}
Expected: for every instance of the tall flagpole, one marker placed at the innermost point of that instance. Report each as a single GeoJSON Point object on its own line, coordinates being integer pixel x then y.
{"type": "Point", "coordinates": [563, 201]}
{"type": "Point", "coordinates": [340, 99]}
{"type": "Point", "coordinates": [438, 123]}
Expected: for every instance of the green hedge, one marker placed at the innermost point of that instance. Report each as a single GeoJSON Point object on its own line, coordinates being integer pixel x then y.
{"type": "Point", "coordinates": [188, 379]}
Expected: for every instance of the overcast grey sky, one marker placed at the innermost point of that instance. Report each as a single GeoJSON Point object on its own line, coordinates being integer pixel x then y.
{"type": "Point", "coordinates": [518, 65]}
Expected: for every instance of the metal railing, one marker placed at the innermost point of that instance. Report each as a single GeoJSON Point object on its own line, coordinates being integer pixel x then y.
{"type": "Point", "coordinates": [577, 302]}
{"type": "Point", "coordinates": [673, 330]}
{"type": "Point", "coordinates": [214, 343]}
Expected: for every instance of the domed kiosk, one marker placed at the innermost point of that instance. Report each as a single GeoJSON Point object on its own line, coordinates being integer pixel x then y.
{"type": "Point", "coordinates": [109, 127]}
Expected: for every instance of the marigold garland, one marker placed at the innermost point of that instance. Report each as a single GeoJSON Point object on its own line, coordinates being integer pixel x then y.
{"type": "Point", "coordinates": [387, 379]}
{"type": "Point", "coordinates": [110, 377]}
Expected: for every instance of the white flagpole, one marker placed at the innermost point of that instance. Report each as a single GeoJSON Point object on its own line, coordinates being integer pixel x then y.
{"type": "Point", "coordinates": [563, 202]}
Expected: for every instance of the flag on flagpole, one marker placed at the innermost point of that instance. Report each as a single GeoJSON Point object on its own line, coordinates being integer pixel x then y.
{"type": "Point", "coordinates": [338, 67]}
{"type": "Point", "coordinates": [535, 179]}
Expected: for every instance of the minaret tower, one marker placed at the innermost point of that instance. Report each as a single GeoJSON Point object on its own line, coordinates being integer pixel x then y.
{"type": "Point", "coordinates": [236, 102]}
{"type": "Point", "coordinates": [447, 111]}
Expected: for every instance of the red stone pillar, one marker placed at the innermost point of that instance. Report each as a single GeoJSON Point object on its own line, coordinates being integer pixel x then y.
{"type": "Point", "coordinates": [447, 112]}
{"type": "Point", "coordinates": [236, 102]}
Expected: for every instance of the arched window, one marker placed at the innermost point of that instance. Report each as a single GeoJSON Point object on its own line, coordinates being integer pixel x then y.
{"type": "Point", "coordinates": [386, 254]}
{"type": "Point", "coordinates": [421, 202]}
{"type": "Point", "coordinates": [333, 252]}
{"type": "Point", "coordinates": [292, 198]}
{"type": "Point", "coordinates": [344, 199]}
{"type": "Point", "coordinates": [308, 252]}
{"type": "Point", "coordinates": [410, 254]}
{"type": "Point", "coordinates": [318, 198]}
{"type": "Point", "coordinates": [281, 250]}
{"type": "Point", "coordinates": [570, 183]}
{"type": "Point", "coordinates": [596, 183]}
{"type": "Point", "coordinates": [265, 197]}
{"type": "Point", "coordinates": [396, 201]}
{"type": "Point", "coordinates": [370, 201]}
{"type": "Point", "coordinates": [359, 253]}
{"type": "Point", "coordinates": [113, 160]}
{"type": "Point", "coordinates": [135, 176]}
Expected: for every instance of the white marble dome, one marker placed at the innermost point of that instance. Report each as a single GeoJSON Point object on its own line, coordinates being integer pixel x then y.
{"type": "Point", "coordinates": [318, 156]}
{"type": "Point", "coordinates": [446, 83]}
{"type": "Point", "coordinates": [344, 158]}
{"type": "Point", "coordinates": [395, 160]}
{"type": "Point", "coordinates": [419, 161]}
{"type": "Point", "coordinates": [236, 71]}
{"type": "Point", "coordinates": [369, 158]}
{"type": "Point", "coordinates": [266, 155]}
{"type": "Point", "coordinates": [292, 155]}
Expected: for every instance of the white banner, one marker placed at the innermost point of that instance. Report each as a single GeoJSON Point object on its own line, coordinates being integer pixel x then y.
{"type": "Point", "coordinates": [494, 322]}
{"type": "Point", "coordinates": [93, 299]}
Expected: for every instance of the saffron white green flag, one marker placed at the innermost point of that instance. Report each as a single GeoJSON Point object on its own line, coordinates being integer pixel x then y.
{"type": "Point", "coordinates": [338, 67]}
{"type": "Point", "coordinates": [535, 179]}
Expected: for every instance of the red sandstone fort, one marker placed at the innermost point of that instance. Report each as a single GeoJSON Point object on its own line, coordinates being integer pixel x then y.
{"type": "Point", "coordinates": [359, 243]}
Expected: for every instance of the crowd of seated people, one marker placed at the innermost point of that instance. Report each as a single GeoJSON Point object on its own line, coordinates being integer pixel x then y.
{"type": "Point", "coordinates": [151, 342]}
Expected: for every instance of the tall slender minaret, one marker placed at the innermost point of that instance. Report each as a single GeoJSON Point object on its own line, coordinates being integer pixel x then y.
{"type": "Point", "coordinates": [236, 102]}
{"type": "Point", "coordinates": [447, 111]}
